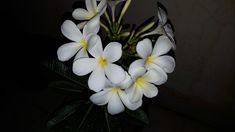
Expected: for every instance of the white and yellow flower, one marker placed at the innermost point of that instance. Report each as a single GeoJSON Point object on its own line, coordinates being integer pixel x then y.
{"type": "Point", "coordinates": [92, 11]}
{"type": "Point", "coordinates": [143, 83]}
{"type": "Point", "coordinates": [154, 58]}
{"type": "Point", "coordinates": [115, 96]}
{"type": "Point", "coordinates": [80, 43]}
{"type": "Point", "coordinates": [101, 64]}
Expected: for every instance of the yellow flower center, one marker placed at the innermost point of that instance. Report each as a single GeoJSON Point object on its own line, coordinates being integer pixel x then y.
{"type": "Point", "coordinates": [115, 89]}
{"type": "Point", "coordinates": [139, 82]}
{"type": "Point", "coordinates": [102, 62]}
{"type": "Point", "coordinates": [83, 43]}
{"type": "Point", "coordinates": [149, 60]}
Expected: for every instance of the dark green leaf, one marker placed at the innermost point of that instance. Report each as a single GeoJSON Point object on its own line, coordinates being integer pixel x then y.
{"type": "Point", "coordinates": [65, 86]}
{"type": "Point", "coordinates": [64, 71]}
{"type": "Point", "coordinates": [138, 114]}
{"type": "Point", "coordinates": [63, 113]}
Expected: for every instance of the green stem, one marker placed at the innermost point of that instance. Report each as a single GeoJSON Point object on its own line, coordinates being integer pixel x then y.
{"type": "Point", "coordinates": [124, 9]}
{"type": "Point", "coordinates": [107, 17]}
{"type": "Point", "coordinates": [84, 117]}
{"type": "Point", "coordinates": [105, 27]}
{"type": "Point", "coordinates": [107, 120]}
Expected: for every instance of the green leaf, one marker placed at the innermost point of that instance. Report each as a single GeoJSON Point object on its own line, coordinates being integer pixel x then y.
{"type": "Point", "coordinates": [138, 114]}
{"type": "Point", "coordinates": [65, 86]}
{"type": "Point", "coordinates": [63, 113]}
{"type": "Point", "coordinates": [64, 71]}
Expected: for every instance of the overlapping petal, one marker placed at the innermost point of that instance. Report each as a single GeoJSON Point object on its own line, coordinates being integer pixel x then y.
{"type": "Point", "coordinates": [162, 46]}
{"type": "Point", "coordinates": [93, 26]}
{"type": "Point", "coordinates": [97, 79]}
{"type": "Point", "coordinates": [128, 103]}
{"type": "Point", "coordinates": [115, 73]}
{"type": "Point", "coordinates": [113, 51]}
{"type": "Point", "coordinates": [81, 14]}
{"type": "Point", "coordinates": [91, 6]}
{"type": "Point", "coordinates": [83, 66]}
{"type": "Point", "coordinates": [82, 53]}
{"type": "Point", "coordinates": [97, 49]}
{"type": "Point", "coordinates": [66, 51]}
{"type": "Point", "coordinates": [150, 90]}
{"type": "Point", "coordinates": [70, 30]}
{"type": "Point", "coordinates": [115, 105]}
{"type": "Point", "coordinates": [167, 63]}
{"type": "Point", "coordinates": [102, 97]}
{"type": "Point", "coordinates": [144, 48]}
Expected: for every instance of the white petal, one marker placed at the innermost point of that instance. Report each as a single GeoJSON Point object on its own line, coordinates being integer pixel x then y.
{"type": "Point", "coordinates": [167, 63]}
{"type": "Point", "coordinates": [93, 26]}
{"type": "Point", "coordinates": [81, 24]}
{"type": "Point", "coordinates": [127, 82]}
{"type": "Point", "coordinates": [91, 6]}
{"type": "Point", "coordinates": [102, 5]}
{"type": "Point", "coordinates": [71, 31]}
{"type": "Point", "coordinates": [170, 34]}
{"type": "Point", "coordinates": [134, 95]}
{"type": "Point", "coordinates": [102, 97]}
{"type": "Point", "coordinates": [81, 14]}
{"type": "Point", "coordinates": [96, 50]}
{"type": "Point", "coordinates": [137, 64]}
{"type": "Point", "coordinates": [127, 103]}
{"type": "Point", "coordinates": [67, 51]}
{"type": "Point", "coordinates": [97, 80]}
{"type": "Point", "coordinates": [162, 46]}
{"type": "Point", "coordinates": [115, 105]}
{"type": "Point", "coordinates": [137, 68]}
{"type": "Point", "coordinates": [156, 76]}
{"type": "Point", "coordinates": [144, 48]}
{"type": "Point", "coordinates": [162, 16]}
{"type": "Point", "coordinates": [115, 73]}
{"type": "Point", "coordinates": [82, 53]}
{"type": "Point", "coordinates": [150, 90]}
{"type": "Point", "coordinates": [83, 66]}
{"type": "Point", "coordinates": [113, 51]}
{"type": "Point", "coordinates": [100, 13]}
{"type": "Point", "coordinates": [168, 29]}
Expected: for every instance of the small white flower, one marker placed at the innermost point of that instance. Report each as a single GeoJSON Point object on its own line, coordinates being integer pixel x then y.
{"type": "Point", "coordinates": [115, 96]}
{"type": "Point", "coordinates": [162, 16]}
{"type": "Point", "coordinates": [143, 83]}
{"type": "Point", "coordinates": [163, 27]}
{"type": "Point", "coordinates": [92, 11]}
{"type": "Point", "coordinates": [80, 43]}
{"type": "Point", "coordinates": [154, 58]}
{"type": "Point", "coordinates": [101, 64]}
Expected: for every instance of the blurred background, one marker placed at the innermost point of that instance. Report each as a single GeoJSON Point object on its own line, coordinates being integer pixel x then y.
{"type": "Point", "coordinates": [198, 97]}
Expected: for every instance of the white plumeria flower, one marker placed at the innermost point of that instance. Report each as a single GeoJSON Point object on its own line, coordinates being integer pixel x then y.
{"type": "Point", "coordinates": [80, 43]}
{"type": "Point", "coordinates": [115, 96]}
{"type": "Point", "coordinates": [101, 64]}
{"type": "Point", "coordinates": [163, 27]}
{"type": "Point", "coordinates": [154, 58]}
{"type": "Point", "coordinates": [92, 11]}
{"type": "Point", "coordinates": [143, 83]}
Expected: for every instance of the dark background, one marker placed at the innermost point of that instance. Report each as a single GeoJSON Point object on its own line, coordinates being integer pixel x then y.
{"type": "Point", "coordinates": [198, 97]}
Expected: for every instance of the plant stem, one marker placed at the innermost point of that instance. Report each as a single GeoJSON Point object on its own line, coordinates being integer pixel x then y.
{"type": "Point", "coordinates": [107, 17]}
{"type": "Point", "coordinates": [107, 120]}
{"type": "Point", "coordinates": [84, 117]}
{"type": "Point", "coordinates": [105, 27]}
{"type": "Point", "coordinates": [124, 9]}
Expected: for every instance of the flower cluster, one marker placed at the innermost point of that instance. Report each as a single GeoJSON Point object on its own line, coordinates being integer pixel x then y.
{"type": "Point", "coordinates": [113, 85]}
